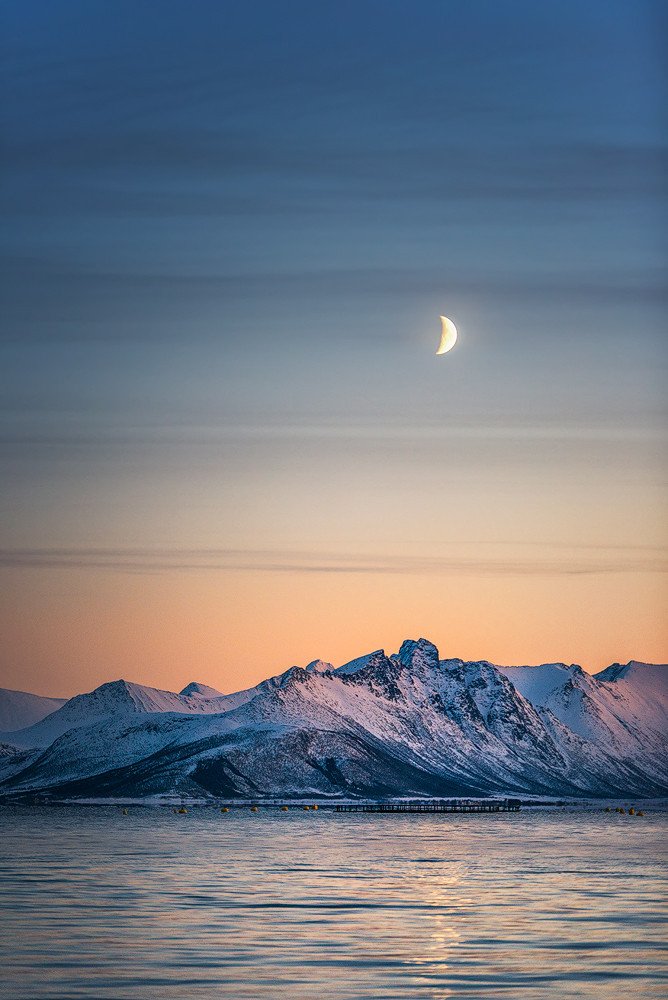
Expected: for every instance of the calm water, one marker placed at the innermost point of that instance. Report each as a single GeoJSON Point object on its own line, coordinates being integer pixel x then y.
{"type": "Point", "coordinates": [241, 905]}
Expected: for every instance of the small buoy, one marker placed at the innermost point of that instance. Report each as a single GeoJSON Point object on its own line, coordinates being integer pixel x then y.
{"type": "Point", "coordinates": [640, 813]}
{"type": "Point", "coordinates": [125, 812]}
{"type": "Point", "coordinates": [314, 807]}
{"type": "Point", "coordinates": [253, 809]}
{"type": "Point", "coordinates": [284, 809]}
{"type": "Point", "coordinates": [623, 812]}
{"type": "Point", "coordinates": [306, 808]}
{"type": "Point", "coordinates": [632, 811]}
{"type": "Point", "coordinates": [182, 810]}
{"type": "Point", "coordinates": [607, 809]}
{"type": "Point", "coordinates": [224, 809]}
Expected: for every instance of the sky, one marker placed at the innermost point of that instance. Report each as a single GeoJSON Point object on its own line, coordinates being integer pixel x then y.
{"type": "Point", "coordinates": [228, 232]}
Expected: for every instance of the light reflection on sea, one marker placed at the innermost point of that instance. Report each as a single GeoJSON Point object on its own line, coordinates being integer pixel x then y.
{"type": "Point", "coordinates": [247, 906]}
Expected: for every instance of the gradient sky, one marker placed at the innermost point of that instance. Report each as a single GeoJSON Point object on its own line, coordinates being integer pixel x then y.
{"type": "Point", "coordinates": [229, 229]}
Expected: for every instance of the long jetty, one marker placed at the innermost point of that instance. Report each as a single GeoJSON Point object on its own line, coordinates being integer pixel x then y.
{"type": "Point", "coordinates": [434, 806]}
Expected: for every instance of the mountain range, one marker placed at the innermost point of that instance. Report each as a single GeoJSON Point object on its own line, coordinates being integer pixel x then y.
{"type": "Point", "coordinates": [407, 724]}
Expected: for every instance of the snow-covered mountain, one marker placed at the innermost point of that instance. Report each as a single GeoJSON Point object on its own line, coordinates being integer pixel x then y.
{"type": "Point", "coordinates": [19, 709]}
{"type": "Point", "coordinates": [120, 698]}
{"type": "Point", "coordinates": [616, 708]}
{"type": "Point", "coordinates": [407, 724]}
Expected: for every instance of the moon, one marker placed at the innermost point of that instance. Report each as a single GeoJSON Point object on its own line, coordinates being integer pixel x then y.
{"type": "Point", "coordinates": [448, 335]}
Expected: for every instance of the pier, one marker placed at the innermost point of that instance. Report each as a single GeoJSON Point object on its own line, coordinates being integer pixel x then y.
{"type": "Point", "coordinates": [434, 806]}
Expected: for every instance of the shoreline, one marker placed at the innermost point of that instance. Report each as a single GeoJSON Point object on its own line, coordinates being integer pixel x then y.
{"type": "Point", "coordinates": [532, 803]}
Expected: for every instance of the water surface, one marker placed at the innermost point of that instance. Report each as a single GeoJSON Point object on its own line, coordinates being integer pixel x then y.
{"type": "Point", "coordinates": [557, 904]}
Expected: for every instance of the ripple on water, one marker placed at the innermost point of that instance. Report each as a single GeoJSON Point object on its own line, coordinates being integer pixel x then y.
{"type": "Point", "coordinates": [529, 906]}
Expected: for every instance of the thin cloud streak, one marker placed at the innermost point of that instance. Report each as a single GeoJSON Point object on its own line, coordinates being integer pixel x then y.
{"type": "Point", "coordinates": [212, 434]}
{"type": "Point", "coordinates": [590, 559]}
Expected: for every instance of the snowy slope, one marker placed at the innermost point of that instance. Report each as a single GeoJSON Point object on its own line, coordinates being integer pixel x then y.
{"type": "Point", "coordinates": [638, 694]}
{"type": "Point", "coordinates": [408, 723]}
{"type": "Point", "coordinates": [116, 697]}
{"type": "Point", "coordinates": [120, 698]}
{"type": "Point", "coordinates": [19, 709]}
{"type": "Point", "coordinates": [621, 707]}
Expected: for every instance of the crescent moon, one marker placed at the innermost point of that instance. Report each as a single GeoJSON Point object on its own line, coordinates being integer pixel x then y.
{"type": "Point", "coordinates": [448, 335]}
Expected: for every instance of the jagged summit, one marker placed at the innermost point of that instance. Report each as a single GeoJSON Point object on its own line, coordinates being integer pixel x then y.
{"type": "Point", "coordinates": [353, 666]}
{"type": "Point", "coordinates": [418, 655]}
{"type": "Point", "coordinates": [413, 653]}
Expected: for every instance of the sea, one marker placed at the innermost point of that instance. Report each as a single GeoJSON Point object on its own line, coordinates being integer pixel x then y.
{"type": "Point", "coordinates": [558, 902]}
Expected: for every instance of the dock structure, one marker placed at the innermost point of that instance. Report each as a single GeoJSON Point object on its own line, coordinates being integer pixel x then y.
{"type": "Point", "coordinates": [434, 806]}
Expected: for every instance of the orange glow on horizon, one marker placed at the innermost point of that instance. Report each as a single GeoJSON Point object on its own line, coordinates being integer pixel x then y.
{"type": "Point", "coordinates": [232, 629]}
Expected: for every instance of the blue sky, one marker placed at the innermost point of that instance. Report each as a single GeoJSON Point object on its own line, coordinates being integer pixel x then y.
{"type": "Point", "coordinates": [229, 230]}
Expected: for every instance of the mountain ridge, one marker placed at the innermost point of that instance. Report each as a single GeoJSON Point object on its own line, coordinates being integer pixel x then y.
{"type": "Point", "coordinates": [404, 723]}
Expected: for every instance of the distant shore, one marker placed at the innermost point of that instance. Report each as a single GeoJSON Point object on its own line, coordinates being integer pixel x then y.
{"type": "Point", "coordinates": [532, 803]}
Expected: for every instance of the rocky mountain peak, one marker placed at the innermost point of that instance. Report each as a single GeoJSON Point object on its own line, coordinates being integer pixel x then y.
{"type": "Point", "coordinates": [418, 655]}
